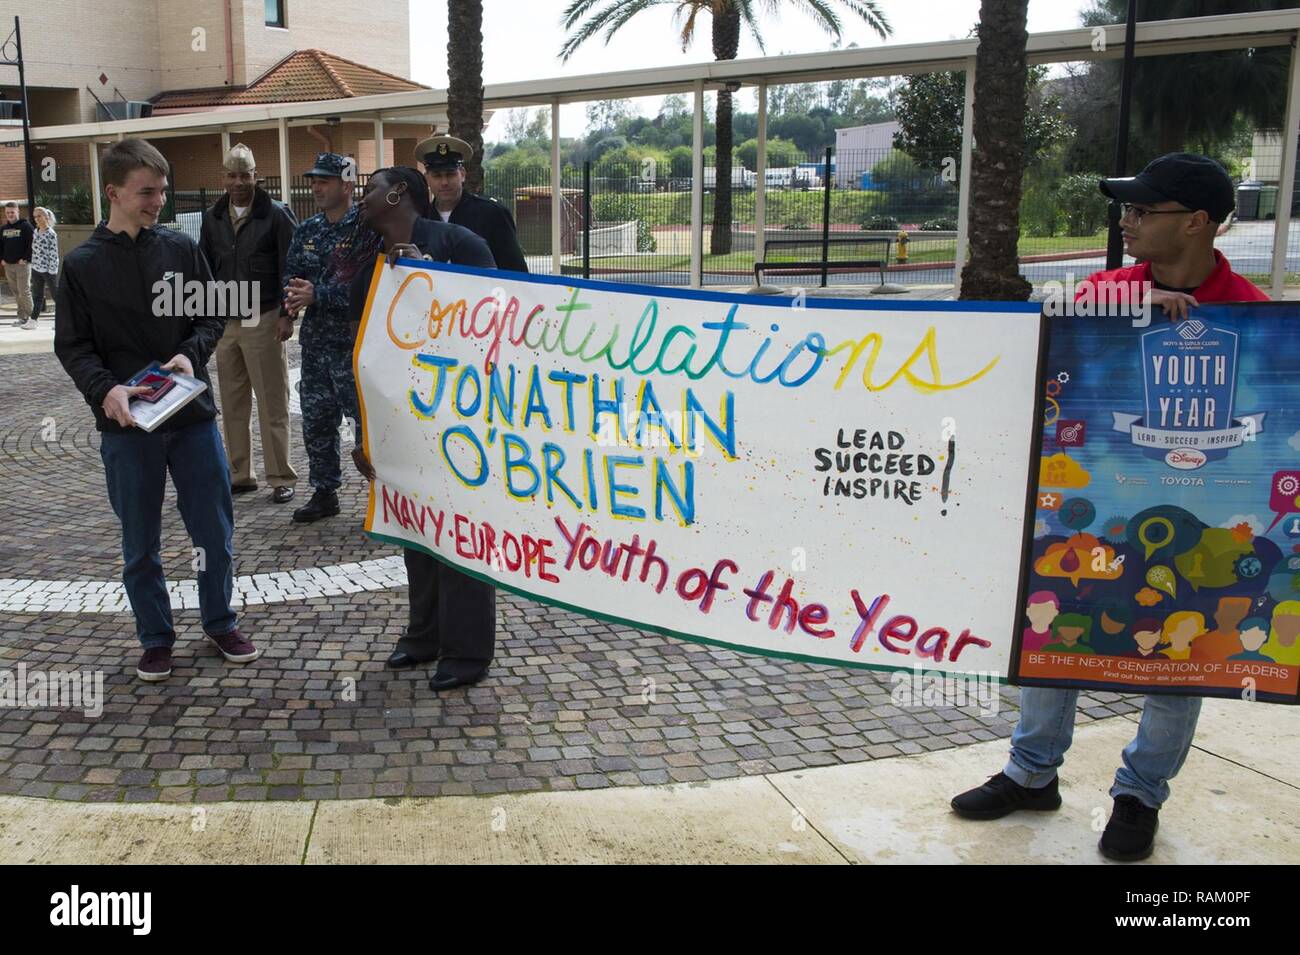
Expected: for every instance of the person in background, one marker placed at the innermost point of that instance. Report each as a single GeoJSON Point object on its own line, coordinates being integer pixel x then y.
{"type": "Point", "coordinates": [452, 615]}
{"type": "Point", "coordinates": [444, 169]}
{"type": "Point", "coordinates": [323, 258]}
{"type": "Point", "coordinates": [246, 236]}
{"type": "Point", "coordinates": [45, 262]}
{"type": "Point", "coordinates": [1171, 212]}
{"type": "Point", "coordinates": [16, 251]}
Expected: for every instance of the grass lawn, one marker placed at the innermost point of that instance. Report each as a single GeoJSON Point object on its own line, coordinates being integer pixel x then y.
{"type": "Point", "coordinates": [1265, 279]}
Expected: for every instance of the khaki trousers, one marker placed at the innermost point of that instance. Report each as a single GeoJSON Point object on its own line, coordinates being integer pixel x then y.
{"type": "Point", "coordinates": [251, 361]}
{"type": "Point", "coordinates": [19, 278]}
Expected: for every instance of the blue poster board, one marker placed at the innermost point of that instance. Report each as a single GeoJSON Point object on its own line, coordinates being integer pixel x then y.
{"type": "Point", "coordinates": [1165, 532]}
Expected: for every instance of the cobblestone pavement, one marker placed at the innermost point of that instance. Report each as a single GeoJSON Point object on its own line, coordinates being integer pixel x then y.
{"type": "Point", "coordinates": [570, 702]}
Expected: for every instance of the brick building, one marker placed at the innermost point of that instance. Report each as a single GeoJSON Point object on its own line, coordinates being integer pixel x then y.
{"type": "Point", "coordinates": [211, 57]}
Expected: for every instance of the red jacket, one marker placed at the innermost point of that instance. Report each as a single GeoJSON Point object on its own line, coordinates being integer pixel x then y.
{"type": "Point", "coordinates": [1115, 285]}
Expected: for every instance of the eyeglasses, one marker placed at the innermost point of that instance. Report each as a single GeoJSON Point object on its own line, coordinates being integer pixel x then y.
{"type": "Point", "coordinates": [1127, 209]}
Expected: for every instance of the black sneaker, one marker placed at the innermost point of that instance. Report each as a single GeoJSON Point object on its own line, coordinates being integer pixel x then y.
{"type": "Point", "coordinates": [1002, 795]}
{"type": "Point", "coordinates": [322, 504]}
{"type": "Point", "coordinates": [1130, 834]}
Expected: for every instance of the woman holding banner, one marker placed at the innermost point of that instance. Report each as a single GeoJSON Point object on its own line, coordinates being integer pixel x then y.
{"type": "Point", "coordinates": [452, 615]}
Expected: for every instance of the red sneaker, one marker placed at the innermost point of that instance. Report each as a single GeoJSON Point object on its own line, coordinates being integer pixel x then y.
{"type": "Point", "coordinates": [235, 647]}
{"type": "Point", "coordinates": [155, 665]}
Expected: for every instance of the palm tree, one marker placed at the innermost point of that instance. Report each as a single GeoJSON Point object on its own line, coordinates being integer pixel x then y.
{"type": "Point", "coordinates": [465, 82]}
{"type": "Point", "coordinates": [1180, 98]}
{"type": "Point", "coordinates": [585, 18]}
{"type": "Point", "coordinates": [998, 157]}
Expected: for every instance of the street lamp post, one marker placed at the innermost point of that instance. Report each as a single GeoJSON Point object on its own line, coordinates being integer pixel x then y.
{"type": "Point", "coordinates": [1114, 241]}
{"type": "Point", "coordinates": [17, 60]}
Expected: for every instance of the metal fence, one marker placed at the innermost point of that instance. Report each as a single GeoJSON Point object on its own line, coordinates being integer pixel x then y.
{"type": "Point", "coordinates": [632, 222]}
{"type": "Point", "coordinates": [639, 219]}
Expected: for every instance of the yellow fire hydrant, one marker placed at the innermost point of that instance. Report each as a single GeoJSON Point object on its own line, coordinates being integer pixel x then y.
{"type": "Point", "coordinates": [901, 255]}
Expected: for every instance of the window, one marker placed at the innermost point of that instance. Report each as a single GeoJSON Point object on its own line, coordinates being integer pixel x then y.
{"type": "Point", "coordinates": [275, 13]}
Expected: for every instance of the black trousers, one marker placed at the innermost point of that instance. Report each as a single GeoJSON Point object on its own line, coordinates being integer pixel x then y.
{"type": "Point", "coordinates": [42, 283]}
{"type": "Point", "coordinates": [453, 616]}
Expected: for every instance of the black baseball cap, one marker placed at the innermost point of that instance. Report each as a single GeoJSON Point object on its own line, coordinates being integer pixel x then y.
{"type": "Point", "coordinates": [1198, 182]}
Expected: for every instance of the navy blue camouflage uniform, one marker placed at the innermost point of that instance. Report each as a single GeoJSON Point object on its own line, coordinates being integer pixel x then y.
{"type": "Point", "coordinates": [328, 254]}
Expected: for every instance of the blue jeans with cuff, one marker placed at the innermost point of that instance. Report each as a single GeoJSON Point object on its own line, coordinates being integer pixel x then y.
{"type": "Point", "coordinates": [1155, 756]}
{"type": "Point", "coordinates": [136, 464]}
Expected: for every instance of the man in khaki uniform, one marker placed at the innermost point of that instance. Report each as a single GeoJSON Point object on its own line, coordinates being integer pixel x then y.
{"type": "Point", "coordinates": [245, 236]}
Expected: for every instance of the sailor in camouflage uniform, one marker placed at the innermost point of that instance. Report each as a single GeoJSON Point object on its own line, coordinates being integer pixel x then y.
{"type": "Point", "coordinates": [325, 254]}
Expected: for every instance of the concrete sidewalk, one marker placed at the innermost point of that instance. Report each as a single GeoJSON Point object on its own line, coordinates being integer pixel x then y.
{"type": "Point", "coordinates": [23, 341]}
{"type": "Point", "coordinates": [1237, 801]}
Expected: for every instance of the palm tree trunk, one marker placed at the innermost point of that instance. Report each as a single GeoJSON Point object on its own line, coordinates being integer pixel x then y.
{"type": "Point", "coordinates": [465, 82]}
{"type": "Point", "coordinates": [998, 159]}
{"type": "Point", "coordinates": [726, 42]}
{"type": "Point", "coordinates": [720, 237]}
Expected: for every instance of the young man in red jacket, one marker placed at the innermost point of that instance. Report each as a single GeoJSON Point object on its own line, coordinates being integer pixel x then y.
{"type": "Point", "coordinates": [1172, 210]}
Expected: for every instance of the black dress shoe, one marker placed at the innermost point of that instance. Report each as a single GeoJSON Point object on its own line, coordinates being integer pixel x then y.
{"type": "Point", "coordinates": [401, 660]}
{"type": "Point", "coordinates": [282, 495]}
{"type": "Point", "coordinates": [448, 681]}
{"type": "Point", "coordinates": [242, 488]}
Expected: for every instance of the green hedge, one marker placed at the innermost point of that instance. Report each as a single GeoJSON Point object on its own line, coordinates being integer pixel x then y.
{"type": "Point", "coordinates": [849, 207]}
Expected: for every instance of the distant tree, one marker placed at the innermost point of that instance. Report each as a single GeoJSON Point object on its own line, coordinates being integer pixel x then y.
{"type": "Point", "coordinates": [674, 106]}
{"type": "Point", "coordinates": [518, 166]}
{"type": "Point", "coordinates": [1196, 97]}
{"type": "Point", "coordinates": [780, 154]}
{"type": "Point", "coordinates": [606, 145]}
{"type": "Point", "coordinates": [516, 125]}
{"type": "Point", "coordinates": [585, 19]}
{"type": "Point", "coordinates": [679, 161]}
{"type": "Point", "coordinates": [539, 127]}
{"type": "Point", "coordinates": [929, 108]}
{"type": "Point", "coordinates": [607, 114]}
{"type": "Point", "coordinates": [804, 131]}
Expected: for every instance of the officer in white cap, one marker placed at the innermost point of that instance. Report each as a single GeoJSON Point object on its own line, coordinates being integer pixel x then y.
{"type": "Point", "coordinates": [444, 169]}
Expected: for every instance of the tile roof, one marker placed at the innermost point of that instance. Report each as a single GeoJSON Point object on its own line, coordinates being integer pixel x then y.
{"type": "Point", "coordinates": [302, 76]}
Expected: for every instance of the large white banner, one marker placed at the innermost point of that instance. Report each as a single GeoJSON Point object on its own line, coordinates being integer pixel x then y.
{"type": "Point", "coordinates": [837, 481]}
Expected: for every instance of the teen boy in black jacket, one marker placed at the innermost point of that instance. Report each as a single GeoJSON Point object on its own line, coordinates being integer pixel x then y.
{"type": "Point", "coordinates": [116, 314]}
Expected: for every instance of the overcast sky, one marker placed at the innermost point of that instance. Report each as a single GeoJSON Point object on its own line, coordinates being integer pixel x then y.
{"type": "Point", "coordinates": [521, 40]}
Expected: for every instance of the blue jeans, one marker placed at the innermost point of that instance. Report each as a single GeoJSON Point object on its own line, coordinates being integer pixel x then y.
{"type": "Point", "coordinates": [1046, 729]}
{"type": "Point", "coordinates": [136, 465]}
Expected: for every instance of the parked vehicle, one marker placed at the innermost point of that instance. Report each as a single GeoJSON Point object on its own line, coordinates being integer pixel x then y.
{"type": "Point", "coordinates": [741, 178]}
{"type": "Point", "coordinates": [792, 177]}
